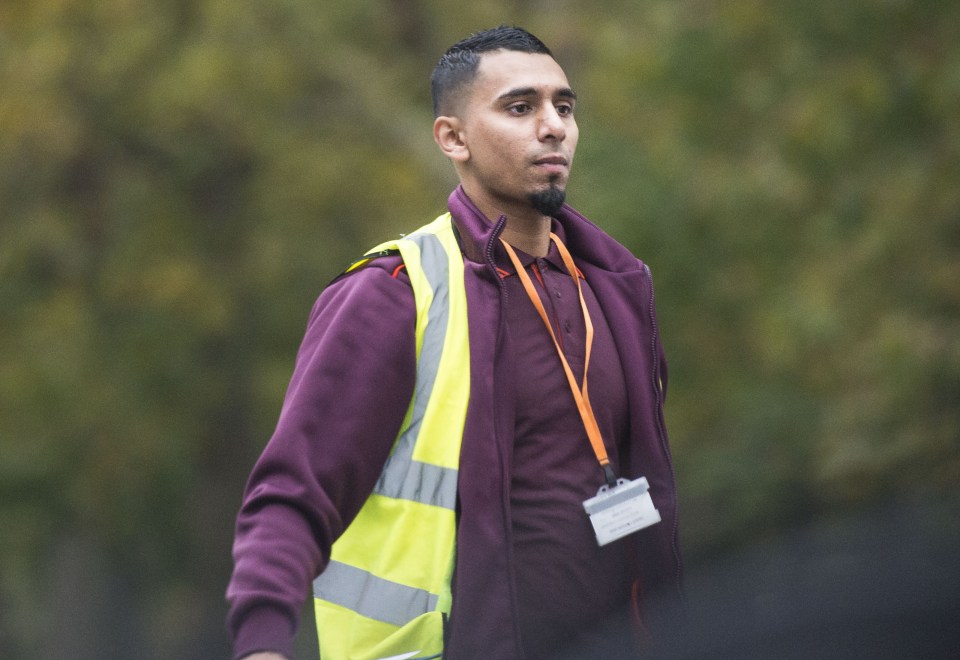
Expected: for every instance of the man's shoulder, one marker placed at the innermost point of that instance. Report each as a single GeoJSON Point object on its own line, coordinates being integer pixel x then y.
{"type": "Point", "coordinates": [373, 267]}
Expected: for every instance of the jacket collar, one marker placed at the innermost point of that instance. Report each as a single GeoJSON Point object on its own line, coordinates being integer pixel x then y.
{"type": "Point", "coordinates": [478, 235]}
{"type": "Point", "coordinates": [590, 244]}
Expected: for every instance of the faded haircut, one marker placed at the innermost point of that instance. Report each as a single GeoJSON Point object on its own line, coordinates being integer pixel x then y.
{"type": "Point", "coordinates": [458, 66]}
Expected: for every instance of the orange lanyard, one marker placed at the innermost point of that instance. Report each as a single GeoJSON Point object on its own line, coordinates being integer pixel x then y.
{"type": "Point", "coordinates": [579, 393]}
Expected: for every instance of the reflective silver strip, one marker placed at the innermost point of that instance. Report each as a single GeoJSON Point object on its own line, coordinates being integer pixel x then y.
{"type": "Point", "coordinates": [370, 596]}
{"type": "Point", "coordinates": [403, 477]}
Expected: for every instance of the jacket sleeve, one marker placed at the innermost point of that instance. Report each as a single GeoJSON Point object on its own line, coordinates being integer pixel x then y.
{"type": "Point", "coordinates": [351, 386]}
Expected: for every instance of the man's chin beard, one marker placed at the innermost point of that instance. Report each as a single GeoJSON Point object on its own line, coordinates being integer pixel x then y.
{"type": "Point", "coordinates": [549, 201]}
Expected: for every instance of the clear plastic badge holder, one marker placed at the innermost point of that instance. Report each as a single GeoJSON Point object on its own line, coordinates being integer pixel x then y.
{"type": "Point", "coordinates": [621, 510]}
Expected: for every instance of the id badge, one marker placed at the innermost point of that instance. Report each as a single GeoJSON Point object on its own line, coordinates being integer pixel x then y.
{"type": "Point", "coordinates": [621, 510]}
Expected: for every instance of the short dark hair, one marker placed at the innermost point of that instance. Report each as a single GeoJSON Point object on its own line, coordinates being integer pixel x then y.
{"type": "Point", "coordinates": [459, 64]}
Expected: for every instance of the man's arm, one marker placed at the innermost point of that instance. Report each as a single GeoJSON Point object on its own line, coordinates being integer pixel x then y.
{"type": "Point", "coordinates": [350, 390]}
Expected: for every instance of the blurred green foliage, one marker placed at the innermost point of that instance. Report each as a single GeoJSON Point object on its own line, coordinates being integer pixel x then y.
{"type": "Point", "coordinates": [178, 181]}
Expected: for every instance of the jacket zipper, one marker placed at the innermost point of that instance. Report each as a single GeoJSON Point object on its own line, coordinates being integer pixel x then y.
{"type": "Point", "coordinates": [663, 443]}
{"type": "Point", "coordinates": [508, 533]}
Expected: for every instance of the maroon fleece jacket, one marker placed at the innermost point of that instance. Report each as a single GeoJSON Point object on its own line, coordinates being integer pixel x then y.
{"type": "Point", "coordinates": [345, 403]}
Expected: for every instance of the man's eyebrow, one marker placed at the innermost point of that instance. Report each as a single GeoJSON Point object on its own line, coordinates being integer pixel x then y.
{"type": "Point", "coordinates": [527, 92]}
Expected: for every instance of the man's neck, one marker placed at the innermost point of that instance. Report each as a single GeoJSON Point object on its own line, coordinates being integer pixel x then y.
{"type": "Point", "coordinates": [530, 235]}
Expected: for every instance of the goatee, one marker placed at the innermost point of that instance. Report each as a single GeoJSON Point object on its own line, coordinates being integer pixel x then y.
{"type": "Point", "coordinates": [549, 201]}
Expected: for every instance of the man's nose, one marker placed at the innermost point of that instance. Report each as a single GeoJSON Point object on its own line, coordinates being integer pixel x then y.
{"type": "Point", "coordinates": [552, 126]}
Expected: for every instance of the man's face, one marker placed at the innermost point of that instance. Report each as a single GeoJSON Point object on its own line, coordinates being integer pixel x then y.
{"type": "Point", "coordinates": [518, 128]}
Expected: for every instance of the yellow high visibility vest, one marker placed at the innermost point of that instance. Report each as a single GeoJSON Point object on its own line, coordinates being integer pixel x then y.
{"type": "Point", "coordinates": [386, 590]}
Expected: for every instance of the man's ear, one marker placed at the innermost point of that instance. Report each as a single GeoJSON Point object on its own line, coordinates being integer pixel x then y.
{"type": "Point", "coordinates": [448, 134]}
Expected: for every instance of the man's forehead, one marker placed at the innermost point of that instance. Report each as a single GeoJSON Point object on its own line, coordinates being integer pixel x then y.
{"type": "Point", "coordinates": [501, 70]}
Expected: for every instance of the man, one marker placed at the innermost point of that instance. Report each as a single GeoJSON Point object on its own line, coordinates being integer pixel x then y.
{"type": "Point", "coordinates": [440, 445]}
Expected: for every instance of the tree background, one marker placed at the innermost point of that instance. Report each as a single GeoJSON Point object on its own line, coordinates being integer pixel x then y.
{"type": "Point", "coordinates": [179, 180]}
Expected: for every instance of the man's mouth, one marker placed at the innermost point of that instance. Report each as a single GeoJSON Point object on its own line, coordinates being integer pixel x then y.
{"type": "Point", "coordinates": [554, 166]}
{"type": "Point", "coordinates": [551, 160]}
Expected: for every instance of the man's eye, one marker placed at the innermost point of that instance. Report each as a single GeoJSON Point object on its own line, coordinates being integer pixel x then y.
{"type": "Point", "coordinates": [565, 109]}
{"type": "Point", "coordinates": [519, 108]}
